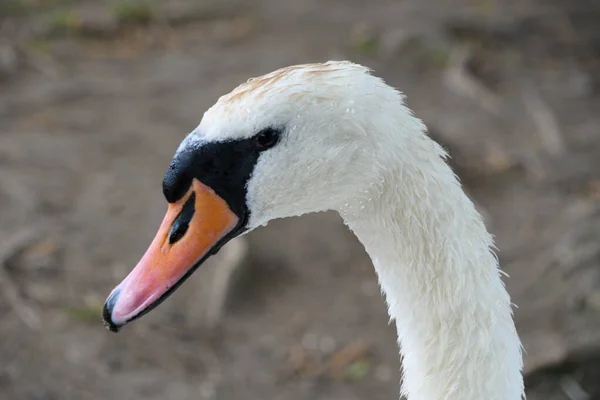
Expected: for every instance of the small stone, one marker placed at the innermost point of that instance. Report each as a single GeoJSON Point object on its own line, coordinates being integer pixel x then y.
{"type": "Point", "coordinates": [327, 345]}
{"type": "Point", "coordinates": [310, 341]}
{"type": "Point", "coordinates": [497, 160]}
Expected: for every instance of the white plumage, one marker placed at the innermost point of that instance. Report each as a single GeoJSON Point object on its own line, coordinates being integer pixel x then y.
{"type": "Point", "coordinates": [352, 145]}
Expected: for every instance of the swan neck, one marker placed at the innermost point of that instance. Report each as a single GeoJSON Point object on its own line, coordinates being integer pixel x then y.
{"type": "Point", "coordinates": [433, 257]}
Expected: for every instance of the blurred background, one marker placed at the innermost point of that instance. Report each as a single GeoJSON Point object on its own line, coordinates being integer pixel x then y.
{"type": "Point", "coordinates": [96, 95]}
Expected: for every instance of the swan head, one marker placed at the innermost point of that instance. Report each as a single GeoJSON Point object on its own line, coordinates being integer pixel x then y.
{"type": "Point", "coordinates": [301, 139]}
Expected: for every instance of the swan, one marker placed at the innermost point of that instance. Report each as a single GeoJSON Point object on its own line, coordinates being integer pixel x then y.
{"type": "Point", "coordinates": [333, 136]}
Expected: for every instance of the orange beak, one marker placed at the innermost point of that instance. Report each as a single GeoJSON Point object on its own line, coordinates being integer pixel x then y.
{"type": "Point", "coordinates": [193, 228]}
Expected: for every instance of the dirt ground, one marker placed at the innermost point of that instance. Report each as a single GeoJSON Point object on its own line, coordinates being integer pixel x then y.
{"type": "Point", "coordinates": [95, 97]}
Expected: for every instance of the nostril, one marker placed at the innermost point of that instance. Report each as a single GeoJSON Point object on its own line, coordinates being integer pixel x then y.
{"type": "Point", "coordinates": [177, 233]}
{"type": "Point", "coordinates": [182, 222]}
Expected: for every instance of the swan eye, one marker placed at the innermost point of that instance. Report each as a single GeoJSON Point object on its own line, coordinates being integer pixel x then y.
{"type": "Point", "coordinates": [267, 138]}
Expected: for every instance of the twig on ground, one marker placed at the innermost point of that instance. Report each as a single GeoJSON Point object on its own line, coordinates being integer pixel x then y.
{"type": "Point", "coordinates": [548, 130]}
{"type": "Point", "coordinates": [573, 390]}
{"type": "Point", "coordinates": [234, 254]}
{"type": "Point", "coordinates": [8, 249]}
{"type": "Point", "coordinates": [547, 134]}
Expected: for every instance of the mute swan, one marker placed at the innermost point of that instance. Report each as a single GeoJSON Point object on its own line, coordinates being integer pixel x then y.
{"type": "Point", "coordinates": [332, 136]}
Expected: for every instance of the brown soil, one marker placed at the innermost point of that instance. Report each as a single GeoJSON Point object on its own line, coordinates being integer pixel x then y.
{"type": "Point", "coordinates": [95, 97]}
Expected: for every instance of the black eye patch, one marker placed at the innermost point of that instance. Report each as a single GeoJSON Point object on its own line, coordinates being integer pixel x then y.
{"type": "Point", "coordinates": [224, 166]}
{"type": "Point", "coordinates": [182, 222]}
